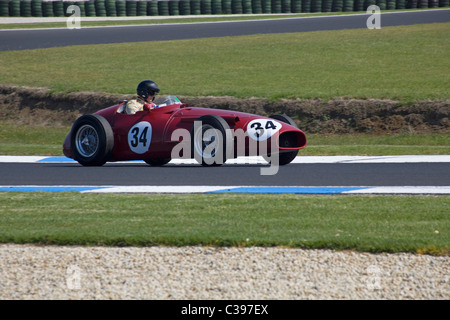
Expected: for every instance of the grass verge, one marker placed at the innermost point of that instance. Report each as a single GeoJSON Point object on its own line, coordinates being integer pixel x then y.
{"type": "Point", "coordinates": [377, 145]}
{"type": "Point", "coordinates": [417, 224]}
{"type": "Point", "coordinates": [31, 140]}
{"type": "Point", "coordinates": [403, 63]}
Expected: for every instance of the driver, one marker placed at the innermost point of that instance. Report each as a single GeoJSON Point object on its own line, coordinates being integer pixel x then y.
{"type": "Point", "coordinates": [146, 92]}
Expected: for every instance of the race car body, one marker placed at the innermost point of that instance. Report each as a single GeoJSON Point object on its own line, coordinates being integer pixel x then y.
{"type": "Point", "coordinates": [176, 130]}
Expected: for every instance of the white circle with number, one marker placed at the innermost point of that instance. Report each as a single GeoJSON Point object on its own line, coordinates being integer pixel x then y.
{"type": "Point", "coordinates": [140, 136]}
{"type": "Point", "coordinates": [262, 129]}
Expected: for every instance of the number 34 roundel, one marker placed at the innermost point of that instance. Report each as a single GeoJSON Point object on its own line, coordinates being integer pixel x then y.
{"type": "Point", "coordinates": [140, 136]}
{"type": "Point", "coordinates": [262, 129]}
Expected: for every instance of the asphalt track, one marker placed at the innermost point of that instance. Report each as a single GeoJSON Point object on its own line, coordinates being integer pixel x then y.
{"type": "Point", "coordinates": [47, 38]}
{"type": "Point", "coordinates": [294, 174]}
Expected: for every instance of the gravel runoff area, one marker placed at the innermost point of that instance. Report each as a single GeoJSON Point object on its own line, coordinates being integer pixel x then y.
{"type": "Point", "coordinates": [194, 273]}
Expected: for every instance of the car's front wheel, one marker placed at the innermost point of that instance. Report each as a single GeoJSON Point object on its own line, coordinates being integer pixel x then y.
{"type": "Point", "coordinates": [92, 140]}
{"type": "Point", "coordinates": [285, 157]}
{"type": "Point", "coordinates": [211, 140]}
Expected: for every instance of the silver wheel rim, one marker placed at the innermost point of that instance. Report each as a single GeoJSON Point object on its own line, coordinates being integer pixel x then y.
{"type": "Point", "coordinates": [86, 140]}
{"type": "Point", "coordinates": [205, 137]}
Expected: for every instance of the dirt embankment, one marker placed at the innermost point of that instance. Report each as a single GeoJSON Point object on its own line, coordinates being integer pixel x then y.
{"type": "Point", "coordinates": [40, 106]}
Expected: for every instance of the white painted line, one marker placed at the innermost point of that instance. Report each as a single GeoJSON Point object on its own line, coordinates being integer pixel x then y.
{"type": "Point", "coordinates": [14, 20]}
{"type": "Point", "coordinates": [21, 159]}
{"type": "Point", "coordinates": [257, 160]}
{"type": "Point", "coordinates": [157, 189]}
{"type": "Point", "coordinates": [402, 190]}
{"type": "Point", "coordinates": [429, 190]}
{"type": "Point", "coordinates": [373, 159]}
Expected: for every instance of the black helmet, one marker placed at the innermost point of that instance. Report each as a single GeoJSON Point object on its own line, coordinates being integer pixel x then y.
{"type": "Point", "coordinates": [147, 88]}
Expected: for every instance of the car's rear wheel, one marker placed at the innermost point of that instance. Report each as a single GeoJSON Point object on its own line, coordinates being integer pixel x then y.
{"type": "Point", "coordinates": [92, 140]}
{"type": "Point", "coordinates": [285, 157]}
{"type": "Point", "coordinates": [211, 140]}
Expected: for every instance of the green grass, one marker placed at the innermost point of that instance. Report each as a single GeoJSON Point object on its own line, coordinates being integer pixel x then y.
{"type": "Point", "coordinates": [31, 140]}
{"type": "Point", "coordinates": [406, 63]}
{"type": "Point", "coordinates": [377, 145]}
{"type": "Point", "coordinates": [407, 223]}
{"type": "Point", "coordinates": [43, 140]}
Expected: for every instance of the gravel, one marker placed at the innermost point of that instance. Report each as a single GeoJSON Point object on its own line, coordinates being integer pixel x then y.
{"type": "Point", "coordinates": [54, 272]}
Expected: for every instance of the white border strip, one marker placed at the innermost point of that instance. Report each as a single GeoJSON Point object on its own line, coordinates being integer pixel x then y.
{"type": "Point", "coordinates": [158, 189]}
{"type": "Point", "coordinates": [374, 159]}
{"type": "Point", "coordinates": [433, 190]}
{"type": "Point", "coordinates": [414, 190]}
{"type": "Point", "coordinates": [21, 159]}
{"type": "Point", "coordinates": [402, 190]}
{"type": "Point", "coordinates": [257, 160]}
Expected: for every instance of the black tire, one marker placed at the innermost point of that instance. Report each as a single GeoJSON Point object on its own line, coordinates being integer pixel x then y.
{"type": "Point", "coordinates": [285, 157]}
{"type": "Point", "coordinates": [92, 140]}
{"type": "Point", "coordinates": [158, 162]}
{"type": "Point", "coordinates": [213, 126]}
{"type": "Point", "coordinates": [284, 118]}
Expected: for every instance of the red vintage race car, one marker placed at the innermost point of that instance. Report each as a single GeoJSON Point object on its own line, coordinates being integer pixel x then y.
{"type": "Point", "coordinates": [176, 130]}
